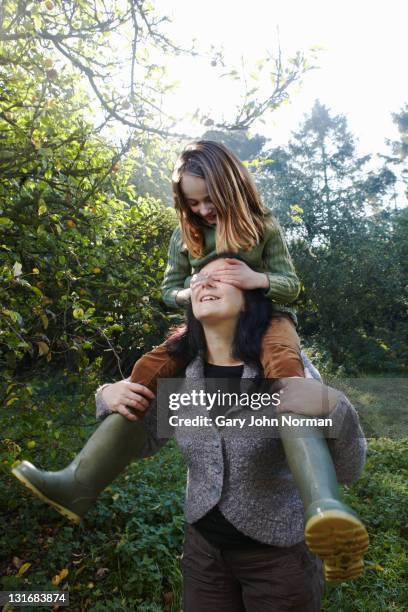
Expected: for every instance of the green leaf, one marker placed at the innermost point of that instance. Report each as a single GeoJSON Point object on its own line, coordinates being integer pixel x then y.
{"type": "Point", "coordinates": [115, 327]}
{"type": "Point", "coordinates": [10, 313]}
{"type": "Point", "coordinates": [37, 21]}
{"type": "Point", "coordinates": [36, 290]}
{"type": "Point", "coordinates": [42, 207]}
{"type": "Point", "coordinates": [78, 313]}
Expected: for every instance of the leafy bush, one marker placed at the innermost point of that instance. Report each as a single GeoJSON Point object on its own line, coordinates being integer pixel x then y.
{"type": "Point", "coordinates": [81, 252]}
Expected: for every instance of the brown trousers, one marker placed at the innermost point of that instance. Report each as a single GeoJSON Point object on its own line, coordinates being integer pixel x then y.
{"type": "Point", "coordinates": [274, 579]}
{"type": "Point", "coordinates": [280, 356]}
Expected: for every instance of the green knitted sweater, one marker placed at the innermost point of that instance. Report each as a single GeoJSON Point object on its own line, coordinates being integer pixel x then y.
{"type": "Point", "coordinates": [271, 256]}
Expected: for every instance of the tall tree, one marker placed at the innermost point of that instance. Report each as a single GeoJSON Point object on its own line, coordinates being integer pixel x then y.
{"type": "Point", "coordinates": [323, 193]}
{"type": "Point", "coordinates": [246, 147]}
{"type": "Point", "coordinates": [318, 181]}
{"type": "Point", "coordinates": [398, 160]}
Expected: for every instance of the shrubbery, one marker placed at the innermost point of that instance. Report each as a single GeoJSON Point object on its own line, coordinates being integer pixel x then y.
{"type": "Point", "coordinates": [82, 253]}
{"type": "Point", "coordinates": [126, 553]}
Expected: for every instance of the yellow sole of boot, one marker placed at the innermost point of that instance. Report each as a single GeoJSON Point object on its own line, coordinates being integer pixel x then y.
{"type": "Point", "coordinates": [340, 540]}
{"type": "Point", "coordinates": [64, 511]}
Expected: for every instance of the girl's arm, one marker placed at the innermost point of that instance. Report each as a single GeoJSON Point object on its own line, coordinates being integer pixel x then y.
{"type": "Point", "coordinates": [278, 278]}
{"type": "Point", "coordinates": [177, 274]}
{"type": "Point", "coordinates": [284, 285]}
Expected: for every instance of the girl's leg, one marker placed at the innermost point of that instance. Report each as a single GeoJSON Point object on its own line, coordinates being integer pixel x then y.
{"type": "Point", "coordinates": [114, 444]}
{"type": "Point", "coordinates": [156, 364]}
{"type": "Point", "coordinates": [74, 489]}
{"type": "Point", "coordinates": [332, 529]}
{"type": "Point", "coordinates": [280, 354]}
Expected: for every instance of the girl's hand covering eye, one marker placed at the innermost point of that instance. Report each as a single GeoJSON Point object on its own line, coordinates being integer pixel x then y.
{"type": "Point", "coordinates": [238, 274]}
{"type": "Point", "coordinates": [199, 279]}
{"type": "Point", "coordinates": [195, 280]}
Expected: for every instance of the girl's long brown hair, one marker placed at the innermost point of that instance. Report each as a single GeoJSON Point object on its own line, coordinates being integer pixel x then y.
{"type": "Point", "coordinates": [241, 216]}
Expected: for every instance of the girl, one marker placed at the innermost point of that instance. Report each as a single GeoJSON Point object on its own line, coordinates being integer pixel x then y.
{"type": "Point", "coordinates": [220, 211]}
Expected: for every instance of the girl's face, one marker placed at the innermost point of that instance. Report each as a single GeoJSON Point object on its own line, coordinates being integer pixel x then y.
{"type": "Point", "coordinates": [196, 195]}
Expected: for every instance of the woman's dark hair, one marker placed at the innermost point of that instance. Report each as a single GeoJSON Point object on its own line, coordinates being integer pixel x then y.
{"type": "Point", "coordinates": [187, 340]}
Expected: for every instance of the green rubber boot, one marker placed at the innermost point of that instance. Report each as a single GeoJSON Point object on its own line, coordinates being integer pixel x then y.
{"type": "Point", "coordinates": [73, 490]}
{"type": "Point", "coordinates": [333, 531]}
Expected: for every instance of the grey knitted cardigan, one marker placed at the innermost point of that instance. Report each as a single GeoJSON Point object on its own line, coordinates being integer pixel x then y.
{"type": "Point", "coordinates": [249, 478]}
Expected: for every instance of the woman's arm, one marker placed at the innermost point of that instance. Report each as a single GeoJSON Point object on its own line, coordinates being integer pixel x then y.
{"type": "Point", "coordinates": [310, 370]}
{"type": "Point", "coordinates": [123, 397]}
{"type": "Point", "coordinates": [108, 405]}
{"type": "Point", "coordinates": [175, 286]}
{"type": "Point", "coordinates": [348, 449]}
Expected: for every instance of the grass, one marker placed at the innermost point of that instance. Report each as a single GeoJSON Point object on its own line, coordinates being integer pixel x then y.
{"type": "Point", "coordinates": [380, 401]}
{"type": "Point", "coordinates": [125, 555]}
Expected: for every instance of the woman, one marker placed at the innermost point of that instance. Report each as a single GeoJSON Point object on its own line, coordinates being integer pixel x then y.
{"type": "Point", "coordinates": [244, 547]}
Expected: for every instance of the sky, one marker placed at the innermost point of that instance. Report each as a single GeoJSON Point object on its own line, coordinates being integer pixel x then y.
{"type": "Point", "coordinates": [363, 66]}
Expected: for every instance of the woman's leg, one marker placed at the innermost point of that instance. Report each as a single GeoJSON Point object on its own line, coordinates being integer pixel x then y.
{"type": "Point", "coordinates": [278, 579]}
{"type": "Point", "coordinates": [332, 529]}
{"type": "Point", "coordinates": [208, 583]}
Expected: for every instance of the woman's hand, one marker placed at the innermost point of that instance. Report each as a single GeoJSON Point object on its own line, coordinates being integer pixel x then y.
{"type": "Point", "coordinates": [306, 396]}
{"type": "Point", "coordinates": [238, 274]}
{"type": "Point", "coordinates": [125, 397]}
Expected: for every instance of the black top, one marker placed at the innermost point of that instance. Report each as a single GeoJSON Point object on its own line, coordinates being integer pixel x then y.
{"type": "Point", "coordinates": [214, 527]}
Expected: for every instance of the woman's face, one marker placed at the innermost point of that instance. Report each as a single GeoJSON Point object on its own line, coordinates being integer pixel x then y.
{"type": "Point", "coordinates": [215, 301]}
{"type": "Point", "coordinates": [196, 195]}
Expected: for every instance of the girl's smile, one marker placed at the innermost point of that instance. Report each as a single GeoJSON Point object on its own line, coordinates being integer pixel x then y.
{"type": "Point", "coordinates": [196, 194]}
